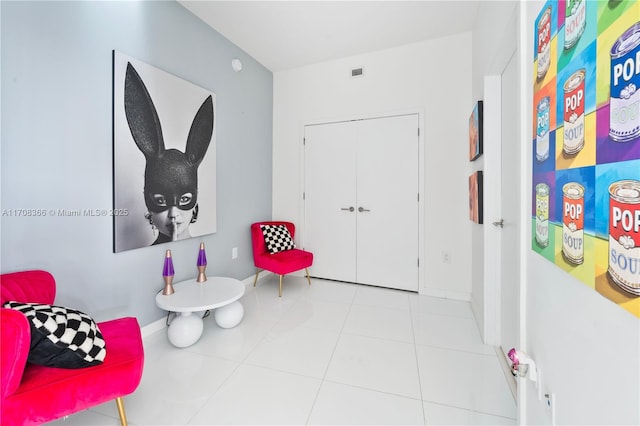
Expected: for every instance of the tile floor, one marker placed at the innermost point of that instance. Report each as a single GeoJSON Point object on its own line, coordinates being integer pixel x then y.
{"type": "Point", "coordinates": [329, 353]}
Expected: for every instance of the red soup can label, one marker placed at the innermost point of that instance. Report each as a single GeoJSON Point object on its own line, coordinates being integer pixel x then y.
{"type": "Point", "coordinates": [544, 43]}
{"type": "Point", "coordinates": [573, 223]}
{"type": "Point", "coordinates": [574, 113]}
{"type": "Point", "coordinates": [624, 235]}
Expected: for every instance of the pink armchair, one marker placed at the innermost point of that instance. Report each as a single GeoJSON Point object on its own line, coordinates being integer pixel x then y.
{"type": "Point", "coordinates": [280, 263]}
{"type": "Point", "coordinates": [33, 394]}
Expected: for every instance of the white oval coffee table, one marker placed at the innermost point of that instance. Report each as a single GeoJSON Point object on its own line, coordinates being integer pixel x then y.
{"type": "Point", "coordinates": [219, 293]}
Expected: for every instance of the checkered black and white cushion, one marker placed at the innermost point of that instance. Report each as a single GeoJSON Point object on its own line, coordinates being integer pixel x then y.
{"type": "Point", "coordinates": [61, 337]}
{"type": "Point", "coordinates": [277, 238]}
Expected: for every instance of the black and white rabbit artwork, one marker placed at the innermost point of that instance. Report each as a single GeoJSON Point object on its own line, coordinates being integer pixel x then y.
{"type": "Point", "coordinates": [170, 175]}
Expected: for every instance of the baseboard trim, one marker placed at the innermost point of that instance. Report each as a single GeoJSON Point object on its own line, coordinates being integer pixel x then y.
{"type": "Point", "coordinates": [506, 369]}
{"type": "Point", "coordinates": [445, 294]}
{"type": "Point", "coordinates": [154, 327]}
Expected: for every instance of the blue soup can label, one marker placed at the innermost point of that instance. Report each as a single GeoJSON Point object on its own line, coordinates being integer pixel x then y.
{"type": "Point", "coordinates": [542, 129]}
{"type": "Point", "coordinates": [624, 102]}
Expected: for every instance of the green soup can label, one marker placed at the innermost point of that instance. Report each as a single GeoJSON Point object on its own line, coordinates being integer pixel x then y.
{"type": "Point", "coordinates": [542, 214]}
{"type": "Point", "coordinates": [575, 20]}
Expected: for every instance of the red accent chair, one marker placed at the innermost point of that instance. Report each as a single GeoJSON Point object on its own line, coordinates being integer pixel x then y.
{"type": "Point", "coordinates": [33, 394]}
{"type": "Point", "coordinates": [280, 263]}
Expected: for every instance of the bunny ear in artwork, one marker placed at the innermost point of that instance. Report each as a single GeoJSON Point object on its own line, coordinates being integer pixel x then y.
{"type": "Point", "coordinates": [200, 133]}
{"type": "Point", "coordinates": [142, 117]}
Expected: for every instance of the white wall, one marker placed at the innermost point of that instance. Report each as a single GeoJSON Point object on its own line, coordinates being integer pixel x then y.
{"type": "Point", "coordinates": [433, 77]}
{"type": "Point", "coordinates": [57, 147]}
{"type": "Point", "coordinates": [588, 348]}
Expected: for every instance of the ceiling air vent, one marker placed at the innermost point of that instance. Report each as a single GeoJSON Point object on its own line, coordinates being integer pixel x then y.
{"type": "Point", "coordinates": [357, 72]}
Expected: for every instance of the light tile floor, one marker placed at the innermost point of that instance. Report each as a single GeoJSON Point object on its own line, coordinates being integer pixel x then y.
{"type": "Point", "coordinates": [329, 353]}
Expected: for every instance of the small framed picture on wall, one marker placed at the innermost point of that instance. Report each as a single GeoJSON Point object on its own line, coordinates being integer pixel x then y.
{"type": "Point", "coordinates": [475, 132]}
{"type": "Point", "coordinates": [475, 197]}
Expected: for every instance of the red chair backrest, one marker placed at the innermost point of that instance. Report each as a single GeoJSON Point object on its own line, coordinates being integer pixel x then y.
{"type": "Point", "coordinates": [28, 286]}
{"type": "Point", "coordinates": [257, 238]}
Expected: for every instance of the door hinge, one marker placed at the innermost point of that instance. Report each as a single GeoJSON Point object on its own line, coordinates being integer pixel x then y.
{"type": "Point", "coordinates": [418, 131]}
{"type": "Point", "coordinates": [304, 195]}
{"type": "Point", "coordinates": [418, 262]}
{"type": "Point", "coordinates": [418, 197]}
{"type": "Point", "coordinates": [304, 141]}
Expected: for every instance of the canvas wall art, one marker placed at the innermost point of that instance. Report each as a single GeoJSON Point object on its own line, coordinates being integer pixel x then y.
{"type": "Point", "coordinates": [475, 197]}
{"type": "Point", "coordinates": [586, 144]}
{"type": "Point", "coordinates": [164, 162]}
{"type": "Point", "coordinates": [475, 132]}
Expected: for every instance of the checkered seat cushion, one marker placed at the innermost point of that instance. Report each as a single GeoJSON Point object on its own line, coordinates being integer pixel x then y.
{"type": "Point", "coordinates": [277, 238]}
{"type": "Point", "coordinates": [61, 337]}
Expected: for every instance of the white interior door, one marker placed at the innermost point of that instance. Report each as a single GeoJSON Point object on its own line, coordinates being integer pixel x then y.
{"type": "Point", "coordinates": [330, 199]}
{"type": "Point", "coordinates": [361, 201]}
{"type": "Point", "coordinates": [510, 205]}
{"type": "Point", "coordinates": [388, 197]}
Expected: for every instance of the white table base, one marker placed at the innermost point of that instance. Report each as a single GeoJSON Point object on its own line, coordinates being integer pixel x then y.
{"type": "Point", "coordinates": [185, 329]}
{"type": "Point", "coordinates": [218, 294]}
{"type": "Point", "coordinates": [230, 315]}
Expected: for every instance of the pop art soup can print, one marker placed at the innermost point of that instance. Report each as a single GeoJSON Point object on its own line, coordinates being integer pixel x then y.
{"type": "Point", "coordinates": [624, 101]}
{"type": "Point", "coordinates": [542, 214]}
{"type": "Point", "coordinates": [542, 129]}
{"type": "Point", "coordinates": [624, 235]}
{"type": "Point", "coordinates": [544, 43]}
{"type": "Point", "coordinates": [575, 20]}
{"type": "Point", "coordinates": [574, 113]}
{"type": "Point", "coordinates": [573, 223]}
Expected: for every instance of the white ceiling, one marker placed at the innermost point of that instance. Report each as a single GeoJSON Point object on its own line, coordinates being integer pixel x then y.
{"type": "Point", "coordinates": [289, 34]}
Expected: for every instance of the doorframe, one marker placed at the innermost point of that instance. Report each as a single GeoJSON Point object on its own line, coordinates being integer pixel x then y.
{"type": "Point", "coordinates": [301, 232]}
{"type": "Point", "coordinates": [492, 289]}
{"type": "Point", "coordinates": [525, 92]}
{"type": "Point", "coordinates": [492, 202]}
{"type": "Point", "coordinates": [492, 126]}
{"type": "Point", "coordinates": [492, 177]}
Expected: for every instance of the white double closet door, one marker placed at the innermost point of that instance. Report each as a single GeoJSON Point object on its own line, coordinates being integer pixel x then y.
{"type": "Point", "coordinates": [362, 201]}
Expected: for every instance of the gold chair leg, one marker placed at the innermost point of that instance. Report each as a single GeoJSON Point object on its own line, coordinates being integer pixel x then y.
{"type": "Point", "coordinates": [255, 280]}
{"type": "Point", "coordinates": [123, 416]}
{"type": "Point", "coordinates": [308, 277]}
{"type": "Point", "coordinates": [280, 293]}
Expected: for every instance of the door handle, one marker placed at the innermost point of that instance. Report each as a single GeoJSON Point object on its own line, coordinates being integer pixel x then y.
{"type": "Point", "coordinates": [499, 223]}
{"type": "Point", "coordinates": [362, 209]}
{"type": "Point", "coordinates": [350, 209]}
